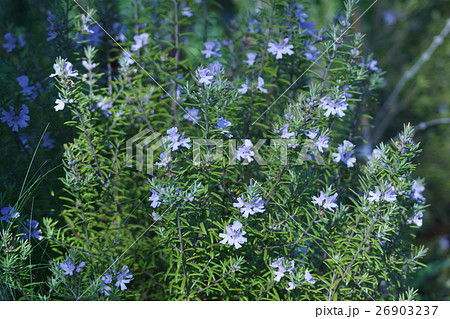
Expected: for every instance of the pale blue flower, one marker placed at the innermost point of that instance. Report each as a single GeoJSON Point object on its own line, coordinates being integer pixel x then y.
{"type": "Point", "coordinates": [372, 66]}
{"type": "Point", "coordinates": [333, 107]}
{"type": "Point", "coordinates": [123, 278]}
{"type": "Point", "coordinates": [285, 132]}
{"type": "Point", "coordinates": [140, 40]}
{"type": "Point", "coordinates": [321, 143]}
{"type": "Point", "coordinates": [312, 134]}
{"type": "Point", "coordinates": [417, 188]}
{"type": "Point", "coordinates": [215, 67]}
{"type": "Point", "coordinates": [311, 52]}
{"type": "Point", "coordinates": [192, 115]}
{"type": "Point", "coordinates": [68, 267]}
{"type": "Point", "coordinates": [375, 196]}
{"type": "Point", "coordinates": [278, 49]}
{"type": "Point", "coordinates": [251, 56]}
{"type": "Point", "coordinates": [260, 85]}
{"type": "Point", "coordinates": [416, 219]}
{"type": "Point", "coordinates": [256, 205]}
{"type": "Point", "coordinates": [389, 195]}
{"type": "Point", "coordinates": [279, 273]}
{"type": "Point", "coordinates": [327, 202]}
{"type": "Point", "coordinates": [205, 76]}
{"type": "Point", "coordinates": [185, 10]}
{"type": "Point", "coordinates": [244, 88]}
{"type": "Point", "coordinates": [222, 124]}
{"type": "Point", "coordinates": [66, 70]}
{"type": "Point", "coordinates": [344, 154]}
{"type": "Point", "coordinates": [234, 235]}
{"type": "Point", "coordinates": [308, 278]}
{"type": "Point", "coordinates": [106, 280]}
{"type": "Point", "coordinates": [212, 49]}
{"type": "Point", "coordinates": [154, 199]}
{"type": "Point", "coordinates": [245, 152]}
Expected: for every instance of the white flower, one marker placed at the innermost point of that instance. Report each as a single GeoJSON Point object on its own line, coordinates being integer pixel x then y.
{"type": "Point", "coordinates": [260, 85]}
{"type": "Point", "coordinates": [140, 40]}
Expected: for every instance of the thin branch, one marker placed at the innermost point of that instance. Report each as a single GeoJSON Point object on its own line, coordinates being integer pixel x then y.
{"type": "Point", "coordinates": [389, 108]}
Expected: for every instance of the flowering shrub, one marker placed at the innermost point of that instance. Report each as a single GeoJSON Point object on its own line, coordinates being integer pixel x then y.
{"type": "Point", "coordinates": [304, 216]}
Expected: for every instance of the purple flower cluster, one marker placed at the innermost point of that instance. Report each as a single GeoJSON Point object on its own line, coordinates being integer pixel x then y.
{"type": "Point", "coordinates": [344, 154]}
{"type": "Point", "coordinates": [122, 279]}
{"type": "Point", "coordinates": [16, 121]}
{"type": "Point", "coordinates": [234, 235]}
{"type": "Point", "coordinates": [256, 205]}
{"type": "Point", "coordinates": [333, 107]}
{"type": "Point", "coordinates": [327, 202]}
{"type": "Point", "coordinates": [68, 267]}
{"type": "Point", "coordinates": [278, 49]}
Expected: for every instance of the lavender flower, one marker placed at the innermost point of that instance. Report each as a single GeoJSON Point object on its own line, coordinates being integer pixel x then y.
{"type": "Point", "coordinates": [285, 132]}
{"type": "Point", "coordinates": [65, 71]}
{"type": "Point", "coordinates": [234, 235]}
{"type": "Point", "coordinates": [308, 278]}
{"type": "Point", "coordinates": [123, 278]}
{"type": "Point", "coordinates": [374, 196]}
{"type": "Point", "coordinates": [141, 40]}
{"type": "Point", "coordinates": [245, 152]}
{"type": "Point", "coordinates": [333, 107]}
{"type": "Point", "coordinates": [279, 273]}
{"type": "Point", "coordinates": [154, 199]}
{"type": "Point", "coordinates": [69, 267]}
{"type": "Point", "coordinates": [205, 76]}
{"type": "Point", "coordinates": [192, 115]}
{"type": "Point", "coordinates": [389, 195]}
{"type": "Point", "coordinates": [60, 103]}
{"type": "Point", "coordinates": [278, 49]}
{"type": "Point", "coordinates": [211, 49]}
{"type": "Point", "coordinates": [372, 66]}
{"type": "Point", "coordinates": [321, 143]}
{"type": "Point", "coordinates": [8, 213]}
{"type": "Point", "coordinates": [417, 188]}
{"type": "Point", "coordinates": [10, 42]}
{"type": "Point", "coordinates": [311, 52]}
{"type": "Point", "coordinates": [47, 141]}
{"type": "Point", "coordinates": [251, 58]}
{"type": "Point", "coordinates": [177, 140]}
{"type": "Point", "coordinates": [165, 158]}
{"type": "Point", "coordinates": [32, 230]}
{"type": "Point", "coordinates": [106, 280]}
{"type": "Point", "coordinates": [260, 85]}
{"type": "Point", "coordinates": [327, 202]}
{"type": "Point", "coordinates": [26, 88]}
{"type": "Point", "coordinates": [312, 134]}
{"type": "Point", "coordinates": [344, 154]}
{"type": "Point", "coordinates": [16, 121]}
{"type": "Point", "coordinates": [185, 10]}
{"type": "Point", "coordinates": [222, 124]}
{"type": "Point", "coordinates": [89, 66]}
{"type": "Point", "coordinates": [52, 29]}
{"type": "Point", "coordinates": [215, 67]}
{"type": "Point", "coordinates": [255, 206]}
{"type": "Point", "coordinates": [244, 88]}
{"type": "Point", "coordinates": [291, 285]}
{"type": "Point", "coordinates": [416, 219]}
